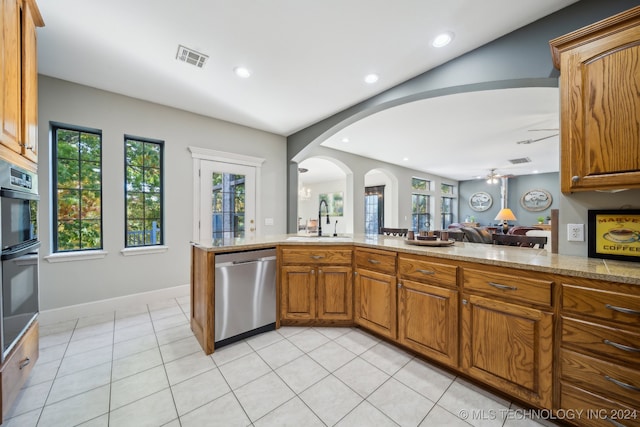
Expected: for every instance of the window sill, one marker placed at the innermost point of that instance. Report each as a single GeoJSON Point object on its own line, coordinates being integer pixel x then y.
{"type": "Point", "coordinates": [75, 256]}
{"type": "Point", "coordinates": [144, 250]}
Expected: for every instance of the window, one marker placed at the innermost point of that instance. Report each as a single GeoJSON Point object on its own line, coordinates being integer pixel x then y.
{"type": "Point", "coordinates": [143, 192]}
{"type": "Point", "coordinates": [373, 209]}
{"type": "Point", "coordinates": [228, 206]}
{"type": "Point", "coordinates": [77, 181]}
{"type": "Point", "coordinates": [421, 218]}
{"type": "Point", "coordinates": [420, 184]}
{"type": "Point", "coordinates": [446, 205]}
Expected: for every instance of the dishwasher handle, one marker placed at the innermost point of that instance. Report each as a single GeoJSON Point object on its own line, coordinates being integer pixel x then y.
{"type": "Point", "coordinates": [249, 261]}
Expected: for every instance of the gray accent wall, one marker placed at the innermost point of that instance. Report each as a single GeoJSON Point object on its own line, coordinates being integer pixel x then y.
{"type": "Point", "coordinates": [76, 282]}
{"type": "Point", "coordinates": [519, 59]}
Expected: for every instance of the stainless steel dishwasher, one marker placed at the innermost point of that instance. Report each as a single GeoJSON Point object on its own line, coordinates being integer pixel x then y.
{"type": "Point", "coordinates": [245, 295]}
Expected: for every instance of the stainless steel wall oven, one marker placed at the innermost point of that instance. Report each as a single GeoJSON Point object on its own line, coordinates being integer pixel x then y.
{"type": "Point", "coordinates": [19, 259]}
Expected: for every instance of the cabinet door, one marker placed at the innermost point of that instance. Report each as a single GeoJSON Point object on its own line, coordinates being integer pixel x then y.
{"type": "Point", "coordinates": [335, 293]}
{"type": "Point", "coordinates": [509, 347]}
{"type": "Point", "coordinates": [428, 320]}
{"type": "Point", "coordinates": [29, 85]}
{"type": "Point", "coordinates": [375, 302]}
{"type": "Point", "coordinates": [298, 293]}
{"type": "Point", "coordinates": [10, 110]}
{"type": "Point", "coordinates": [600, 115]}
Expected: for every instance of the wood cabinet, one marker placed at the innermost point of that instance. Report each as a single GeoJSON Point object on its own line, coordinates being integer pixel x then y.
{"type": "Point", "coordinates": [375, 291]}
{"type": "Point", "coordinates": [428, 308]}
{"type": "Point", "coordinates": [600, 350]}
{"type": "Point", "coordinates": [19, 82]}
{"type": "Point", "coordinates": [316, 285]}
{"type": "Point", "coordinates": [599, 104]}
{"type": "Point", "coordinates": [17, 367]}
{"type": "Point", "coordinates": [507, 332]}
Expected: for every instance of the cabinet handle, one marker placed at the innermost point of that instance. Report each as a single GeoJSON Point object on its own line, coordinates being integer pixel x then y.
{"type": "Point", "coordinates": [24, 363]}
{"type": "Point", "coordinates": [621, 346]}
{"type": "Point", "coordinates": [319, 271]}
{"type": "Point", "coordinates": [373, 261]}
{"type": "Point", "coordinates": [622, 309]}
{"type": "Point", "coordinates": [316, 256]}
{"type": "Point", "coordinates": [313, 272]}
{"type": "Point", "coordinates": [399, 285]}
{"type": "Point", "coordinates": [621, 384]}
{"type": "Point", "coordinates": [505, 287]}
{"type": "Point", "coordinates": [464, 302]}
{"type": "Point", "coordinates": [575, 178]}
{"type": "Point", "coordinates": [426, 271]}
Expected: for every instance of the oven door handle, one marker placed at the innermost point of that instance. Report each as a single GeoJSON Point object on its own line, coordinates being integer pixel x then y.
{"type": "Point", "coordinates": [17, 253]}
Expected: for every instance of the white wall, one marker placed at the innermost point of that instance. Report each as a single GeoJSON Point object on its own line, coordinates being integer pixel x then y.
{"type": "Point", "coordinates": [70, 283]}
{"type": "Point", "coordinates": [308, 209]}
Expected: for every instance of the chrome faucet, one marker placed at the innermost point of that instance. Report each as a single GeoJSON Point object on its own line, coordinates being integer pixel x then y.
{"type": "Point", "coordinates": [320, 215]}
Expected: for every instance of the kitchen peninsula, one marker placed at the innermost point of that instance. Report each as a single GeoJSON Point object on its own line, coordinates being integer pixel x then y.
{"type": "Point", "coordinates": [523, 321]}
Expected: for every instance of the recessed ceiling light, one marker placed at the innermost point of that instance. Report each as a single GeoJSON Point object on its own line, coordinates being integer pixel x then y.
{"type": "Point", "coordinates": [535, 171]}
{"type": "Point", "coordinates": [345, 139]}
{"type": "Point", "coordinates": [242, 72]}
{"type": "Point", "coordinates": [442, 39]}
{"type": "Point", "coordinates": [371, 78]}
{"type": "Point", "coordinates": [406, 159]}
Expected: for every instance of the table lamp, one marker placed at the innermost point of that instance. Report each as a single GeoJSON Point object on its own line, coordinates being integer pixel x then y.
{"type": "Point", "coordinates": [505, 215]}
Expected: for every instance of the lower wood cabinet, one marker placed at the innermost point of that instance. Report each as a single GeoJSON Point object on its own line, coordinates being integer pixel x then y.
{"type": "Point", "coordinates": [375, 302]}
{"type": "Point", "coordinates": [17, 367]}
{"type": "Point", "coordinates": [314, 286]}
{"type": "Point", "coordinates": [428, 320]}
{"type": "Point", "coordinates": [508, 346]}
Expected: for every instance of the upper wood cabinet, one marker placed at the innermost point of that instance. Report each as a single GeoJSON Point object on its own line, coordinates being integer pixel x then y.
{"type": "Point", "coordinates": [19, 82]}
{"type": "Point", "coordinates": [600, 104]}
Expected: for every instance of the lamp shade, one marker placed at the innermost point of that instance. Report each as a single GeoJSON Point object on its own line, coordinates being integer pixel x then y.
{"type": "Point", "coordinates": [506, 215]}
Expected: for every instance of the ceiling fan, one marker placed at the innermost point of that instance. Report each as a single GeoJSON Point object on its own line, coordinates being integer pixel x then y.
{"type": "Point", "coordinates": [532, 140]}
{"type": "Point", "coordinates": [493, 177]}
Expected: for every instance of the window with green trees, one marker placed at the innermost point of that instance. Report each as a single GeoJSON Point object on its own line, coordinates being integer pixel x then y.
{"type": "Point", "coordinates": [77, 181]}
{"type": "Point", "coordinates": [143, 192]}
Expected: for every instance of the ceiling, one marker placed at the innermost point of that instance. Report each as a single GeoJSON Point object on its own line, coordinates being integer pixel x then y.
{"type": "Point", "coordinates": [307, 60]}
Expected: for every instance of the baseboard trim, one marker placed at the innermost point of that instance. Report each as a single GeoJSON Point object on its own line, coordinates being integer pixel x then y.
{"type": "Point", "coordinates": [62, 314]}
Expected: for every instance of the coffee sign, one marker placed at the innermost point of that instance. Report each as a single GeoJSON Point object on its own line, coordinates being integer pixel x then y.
{"type": "Point", "coordinates": [614, 234]}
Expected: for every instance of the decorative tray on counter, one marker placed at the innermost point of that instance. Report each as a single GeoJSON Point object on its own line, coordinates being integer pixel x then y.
{"type": "Point", "coordinates": [430, 242]}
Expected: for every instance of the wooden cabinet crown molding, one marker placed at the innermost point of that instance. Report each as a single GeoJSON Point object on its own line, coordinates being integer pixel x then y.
{"type": "Point", "coordinates": [591, 32]}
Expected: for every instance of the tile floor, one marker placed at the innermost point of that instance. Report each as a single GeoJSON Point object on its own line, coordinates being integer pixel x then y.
{"type": "Point", "coordinates": [143, 367]}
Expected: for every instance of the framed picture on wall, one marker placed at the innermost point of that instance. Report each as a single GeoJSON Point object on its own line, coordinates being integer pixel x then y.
{"type": "Point", "coordinates": [335, 203]}
{"type": "Point", "coordinates": [614, 234]}
{"type": "Point", "coordinates": [480, 201]}
{"type": "Point", "coordinates": [536, 200]}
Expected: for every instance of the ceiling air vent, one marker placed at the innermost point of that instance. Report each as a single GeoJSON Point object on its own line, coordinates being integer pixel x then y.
{"type": "Point", "coordinates": [190, 56]}
{"type": "Point", "coordinates": [520, 160]}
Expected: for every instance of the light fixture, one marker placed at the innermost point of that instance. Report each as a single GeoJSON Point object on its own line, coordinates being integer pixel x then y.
{"type": "Point", "coordinates": [304, 193]}
{"type": "Point", "coordinates": [345, 139]}
{"type": "Point", "coordinates": [371, 78]}
{"type": "Point", "coordinates": [505, 215]}
{"type": "Point", "coordinates": [242, 72]}
{"type": "Point", "coordinates": [442, 40]}
{"type": "Point", "coordinates": [493, 177]}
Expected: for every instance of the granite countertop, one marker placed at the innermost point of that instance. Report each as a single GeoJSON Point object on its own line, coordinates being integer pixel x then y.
{"type": "Point", "coordinates": [506, 256]}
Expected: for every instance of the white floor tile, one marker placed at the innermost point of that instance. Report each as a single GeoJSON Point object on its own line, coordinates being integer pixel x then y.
{"type": "Point", "coordinates": [332, 332]}
{"type": "Point", "coordinates": [56, 328]}
{"type": "Point", "coordinates": [30, 398]}
{"type": "Point", "coordinates": [199, 390]}
{"type": "Point", "coordinates": [172, 334]}
{"type": "Point", "coordinates": [463, 396]}
{"type": "Point", "coordinates": [90, 343]}
{"type": "Point", "coordinates": [82, 332]}
{"type": "Point", "coordinates": [231, 352]}
{"type": "Point", "coordinates": [96, 319]}
{"type": "Point", "coordinates": [134, 331]}
{"type": "Point", "coordinates": [52, 353]}
{"type": "Point", "coordinates": [79, 382]}
{"type": "Point", "coordinates": [263, 395]}
{"type": "Point", "coordinates": [42, 372]}
{"type": "Point", "coordinates": [403, 405]}
{"type": "Point", "coordinates": [330, 399]}
{"type": "Point", "coordinates": [293, 413]}
{"type": "Point", "coordinates": [366, 415]}
{"type": "Point", "coordinates": [263, 340]}
{"type": "Point", "coordinates": [101, 421]}
{"type": "Point", "coordinates": [426, 379]}
{"type": "Point", "coordinates": [301, 373]}
{"type": "Point", "coordinates": [386, 357]}
{"type": "Point", "coordinates": [280, 353]}
{"type": "Point", "coordinates": [55, 339]}
{"type": "Point", "coordinates": [77, 409]}
{"type": "Point", "coordinates": [243, 370]}
{"type": "Point", "coordinates": [332, 356]}
{"type": "Point", "coordinates": [187, 367]}
{"type": "Point", "coordinates": [135, 387]}
{"type": "Point", "coordinates": [135, 363]}
{"type": "Point", "coordinates": [288, 331]}
{"type": "Point", "coordinates": [28, 419]}
{"type": "Point", "coordinates": [89, 359]}
{"type": "Point", "coordinates": [134, 345]}
{"type": "Point", "coordinates": [361, 376]}
{"type": "Point", "coordinates": [170, 321]}
{"type": "Point", "coordinates": [357, 341]}
{"type": "Point", "coordinates": [153, 410]}
{"type": "Point", "coordinates": [177, 349]}
{"type": "Point", "coordinates": [441, 417]}
{"type": "Point", "coordinates": [222, 412]}
{"type": "Point", "coordinates": [308, 340]}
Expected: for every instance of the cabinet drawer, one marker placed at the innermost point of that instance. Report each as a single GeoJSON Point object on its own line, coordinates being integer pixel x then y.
{"type": "Point", "coordinates": [514, 287]}
{"type": "Point", "coordinates": [17, 367]}
{"type": "Point", "coordinates": [619, 307]}
{"type": "Point", "coordinates": [591, 409]}
{"type": "Point", "coordinates": [620, 344]}
{"type": "Point", "coordinates": [384, 262]}
{"type": "Point", "coordinates": [610, 379]}
{"type": "Point", "coordinates": [316, 256]}
{"type": "Point", "coordinates": [427, 271]}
